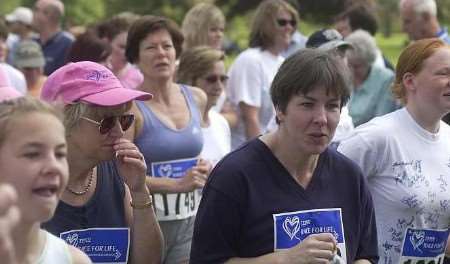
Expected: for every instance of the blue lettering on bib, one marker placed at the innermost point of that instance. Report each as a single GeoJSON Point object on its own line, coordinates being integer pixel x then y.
{"type": "Point", "coordinates": [293, 227]}
{"type": "Point", "coordinates": [424, 245]}
{"type": "Point", "coordinates": [172, 169]}
{"type": "Point", "coordinates": [102, 245]}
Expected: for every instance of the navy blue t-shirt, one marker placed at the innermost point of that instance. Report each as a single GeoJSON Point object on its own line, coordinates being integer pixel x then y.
{"type": "Point", "coordinates": [55, 51]}
{"type": "Point", "coordinates": [250, 185]}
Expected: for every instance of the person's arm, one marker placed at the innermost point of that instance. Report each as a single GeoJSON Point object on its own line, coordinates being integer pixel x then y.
{"type": "Point", "coordinates": [78, 256]}
{"type": "Point", "coordinates": [146, 236]}
{"type": "Point", "coordinates": [251, 120]}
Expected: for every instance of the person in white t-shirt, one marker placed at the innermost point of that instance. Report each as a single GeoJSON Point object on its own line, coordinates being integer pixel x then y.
{"type": "Point", "coordinates": [254, 69]}
{"type": "Point", "coordinates": [405, 156]}
{"type": "Point", "coordinates": [33, 160]}
{"type": "Point", "coordinates": [204, 67]}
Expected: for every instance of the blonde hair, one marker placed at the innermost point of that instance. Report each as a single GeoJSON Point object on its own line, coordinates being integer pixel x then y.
{"type": "Point", "coordinates": [14, 109]}
{"type": "Point", "coordinates": [264, 22]}
{"type": "Point", "coordinates": [74, 112]}
{"type": "Point", "coordinates": [411, 60]}
{"type": "Point", "coordinates": [197, 22]}
{"type": "Point", "coordinates": [196, 62]}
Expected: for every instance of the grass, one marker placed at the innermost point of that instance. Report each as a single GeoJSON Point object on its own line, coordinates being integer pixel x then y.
{"type": "Point", "coordinates": [392, 46]}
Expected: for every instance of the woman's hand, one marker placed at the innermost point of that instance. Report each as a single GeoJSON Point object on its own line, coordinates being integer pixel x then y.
{"type": "Point", "coordinates": [316, 248]}
{"type": "Point", "coordinates": [131, 165]}
{"type": "Point", "coordinates": [195, 177]}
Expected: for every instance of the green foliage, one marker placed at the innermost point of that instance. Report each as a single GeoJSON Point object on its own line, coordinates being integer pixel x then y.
{"type": "Point", "coordinates": [83, 12]}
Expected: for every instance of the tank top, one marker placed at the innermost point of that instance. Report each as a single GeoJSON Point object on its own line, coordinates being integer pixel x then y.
{"type": "Point", "coordinates": [170, 148]}
{"type": "Point", "coordinates": [56, 251]}
{"type": "Point", "coordinates": [104, 209]}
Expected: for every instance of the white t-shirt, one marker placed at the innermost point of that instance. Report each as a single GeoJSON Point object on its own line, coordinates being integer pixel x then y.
{"type": "Point", "coordinates": [56, 251]}
{"type": "Point", "coordinates": [408, 173]}
{"type": "Point", "coordinates": [15, 77]}
{"type": "Point", "coordinates": [216, 138]}
{"type": "Point", "coordinates": [250, 78]}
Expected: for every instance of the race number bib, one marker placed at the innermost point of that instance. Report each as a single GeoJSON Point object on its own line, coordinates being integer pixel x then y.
{"type": "Point", "coordinates": [293, 227]}
{"type": "Point", "coordinates": [424, 246]}
{"type": "Point", "coordinates": [102, 245]}
{"type": "Point", "coordinates": [173, 206]}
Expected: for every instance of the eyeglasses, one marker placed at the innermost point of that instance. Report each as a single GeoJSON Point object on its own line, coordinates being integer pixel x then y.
{"type": "Point", "coordinates": [106, 124]}
{"type": "Point", "coordinates": [214, 78]}
{"type": "Point", "coordinates": [283, 22]}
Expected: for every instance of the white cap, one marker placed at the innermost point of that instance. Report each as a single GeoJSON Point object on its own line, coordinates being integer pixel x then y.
{"type": "Point", "coordinates": [20, 14]}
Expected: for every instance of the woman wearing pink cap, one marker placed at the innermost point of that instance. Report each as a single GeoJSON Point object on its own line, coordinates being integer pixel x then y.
{"type": "Point", "coordinates": [106, 208]}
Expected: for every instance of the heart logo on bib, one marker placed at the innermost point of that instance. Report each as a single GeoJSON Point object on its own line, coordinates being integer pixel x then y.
{"type": "Point", "coordinates": [72, 239]}
{"type": "Point", "coordinates": [417, 238]}
{"type": "Point", "coordinates": [165, 170]}
{"type": "Point", "coordinates": [291, 226]}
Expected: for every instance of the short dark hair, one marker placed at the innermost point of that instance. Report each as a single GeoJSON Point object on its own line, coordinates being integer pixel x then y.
{"type": "Point", "coordinates": [89, 47]}
{"type": "Point", "coordinates": [146, 25]}
{"type": "Point", "coordinates": [360, 16]}
{"type": "Point", "coordinates": [304, 71]}
{"type": "Point", "coordinates": [111, 28]}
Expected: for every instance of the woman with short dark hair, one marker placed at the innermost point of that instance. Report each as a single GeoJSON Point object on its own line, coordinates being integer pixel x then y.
{"type": "Point", "coordinates": [286, 196]}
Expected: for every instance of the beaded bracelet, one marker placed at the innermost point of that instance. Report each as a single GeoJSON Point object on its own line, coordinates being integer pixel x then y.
{"type": "Point", "coordinates": [143, 205]}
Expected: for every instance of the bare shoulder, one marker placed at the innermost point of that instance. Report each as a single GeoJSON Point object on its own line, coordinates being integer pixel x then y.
{"type": "Point", "coordinates": [199, 96]}
{"type": "Point", "coordinates": [78, 256]}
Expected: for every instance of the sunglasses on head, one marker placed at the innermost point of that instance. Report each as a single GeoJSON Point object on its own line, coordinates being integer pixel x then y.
{"type": "Point", "coordinates": [106, 124]}
{"type": "Point", "coordinates": [283, 22]}
{"type": "Point", "coordinates": [215, 78]}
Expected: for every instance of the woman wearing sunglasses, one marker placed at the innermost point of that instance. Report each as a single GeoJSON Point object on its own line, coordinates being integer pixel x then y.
{"type": "Point", "coordinates": [168, 132]}
{"type": "Point", "coordinates": [106, 208]}
{"type": "Point", "coordinates": [253, 70]}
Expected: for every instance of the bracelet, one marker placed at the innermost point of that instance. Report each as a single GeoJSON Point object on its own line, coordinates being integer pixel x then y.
{"type": "Point", "coordinates": [143, 205]}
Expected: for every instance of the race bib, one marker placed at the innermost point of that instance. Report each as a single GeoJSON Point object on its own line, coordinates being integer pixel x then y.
{"type": "Point", "coordinates": [102, 245]}
{"type": "Point", "coordinates": [424, 246]}
{"type": "Point", "coordinates": [293, 227]}
{"type": "Point", "coordinates": [174, 206]}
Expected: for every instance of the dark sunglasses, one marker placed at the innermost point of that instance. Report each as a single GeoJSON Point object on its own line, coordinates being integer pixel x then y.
{"type": "Point", "coordinates": [283, 22]}
{"type": "Point", "coordinates": [106, 124]}
{"type": "Point", "coordinates": [215, 78]}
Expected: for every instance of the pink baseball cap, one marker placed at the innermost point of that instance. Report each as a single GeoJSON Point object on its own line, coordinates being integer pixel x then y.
{"type": "Point", "coordinates": [7, 92]}
{"type": "Point", "coordinates": [88, 82]}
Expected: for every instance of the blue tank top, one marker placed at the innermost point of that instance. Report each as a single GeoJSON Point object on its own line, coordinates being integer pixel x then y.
{"type": "Point", "coordinates": [157, 142]}
{"type": "Point", "coordinates": [104, 209]}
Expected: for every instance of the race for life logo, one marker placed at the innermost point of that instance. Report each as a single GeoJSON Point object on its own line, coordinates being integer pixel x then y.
{"type": "Point", "coordinates": [173, 168]}
{"type": "Point", "coordinates": [102, 245]}
{"type": "Point", "coordinates": [424, 246]}
{"type": "Point", "coordinates": [293, 227]}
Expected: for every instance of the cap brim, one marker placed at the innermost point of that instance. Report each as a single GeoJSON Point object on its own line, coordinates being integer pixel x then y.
{"type": "Point", "coordinates": [334, 44]}
{"type": "Point", "coordinates": [116, 96]}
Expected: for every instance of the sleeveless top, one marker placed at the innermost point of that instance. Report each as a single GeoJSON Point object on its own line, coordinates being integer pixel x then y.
{"type": "Point", "coordinates": [104, 209]}
{"type": "Point", "coordinates": [162, 145]}
{"type": "Point", "coordinates": [56, 251]}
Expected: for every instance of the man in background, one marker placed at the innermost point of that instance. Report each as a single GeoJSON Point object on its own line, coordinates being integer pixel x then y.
{"type": "Point", "coordinates": [55, 42]}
